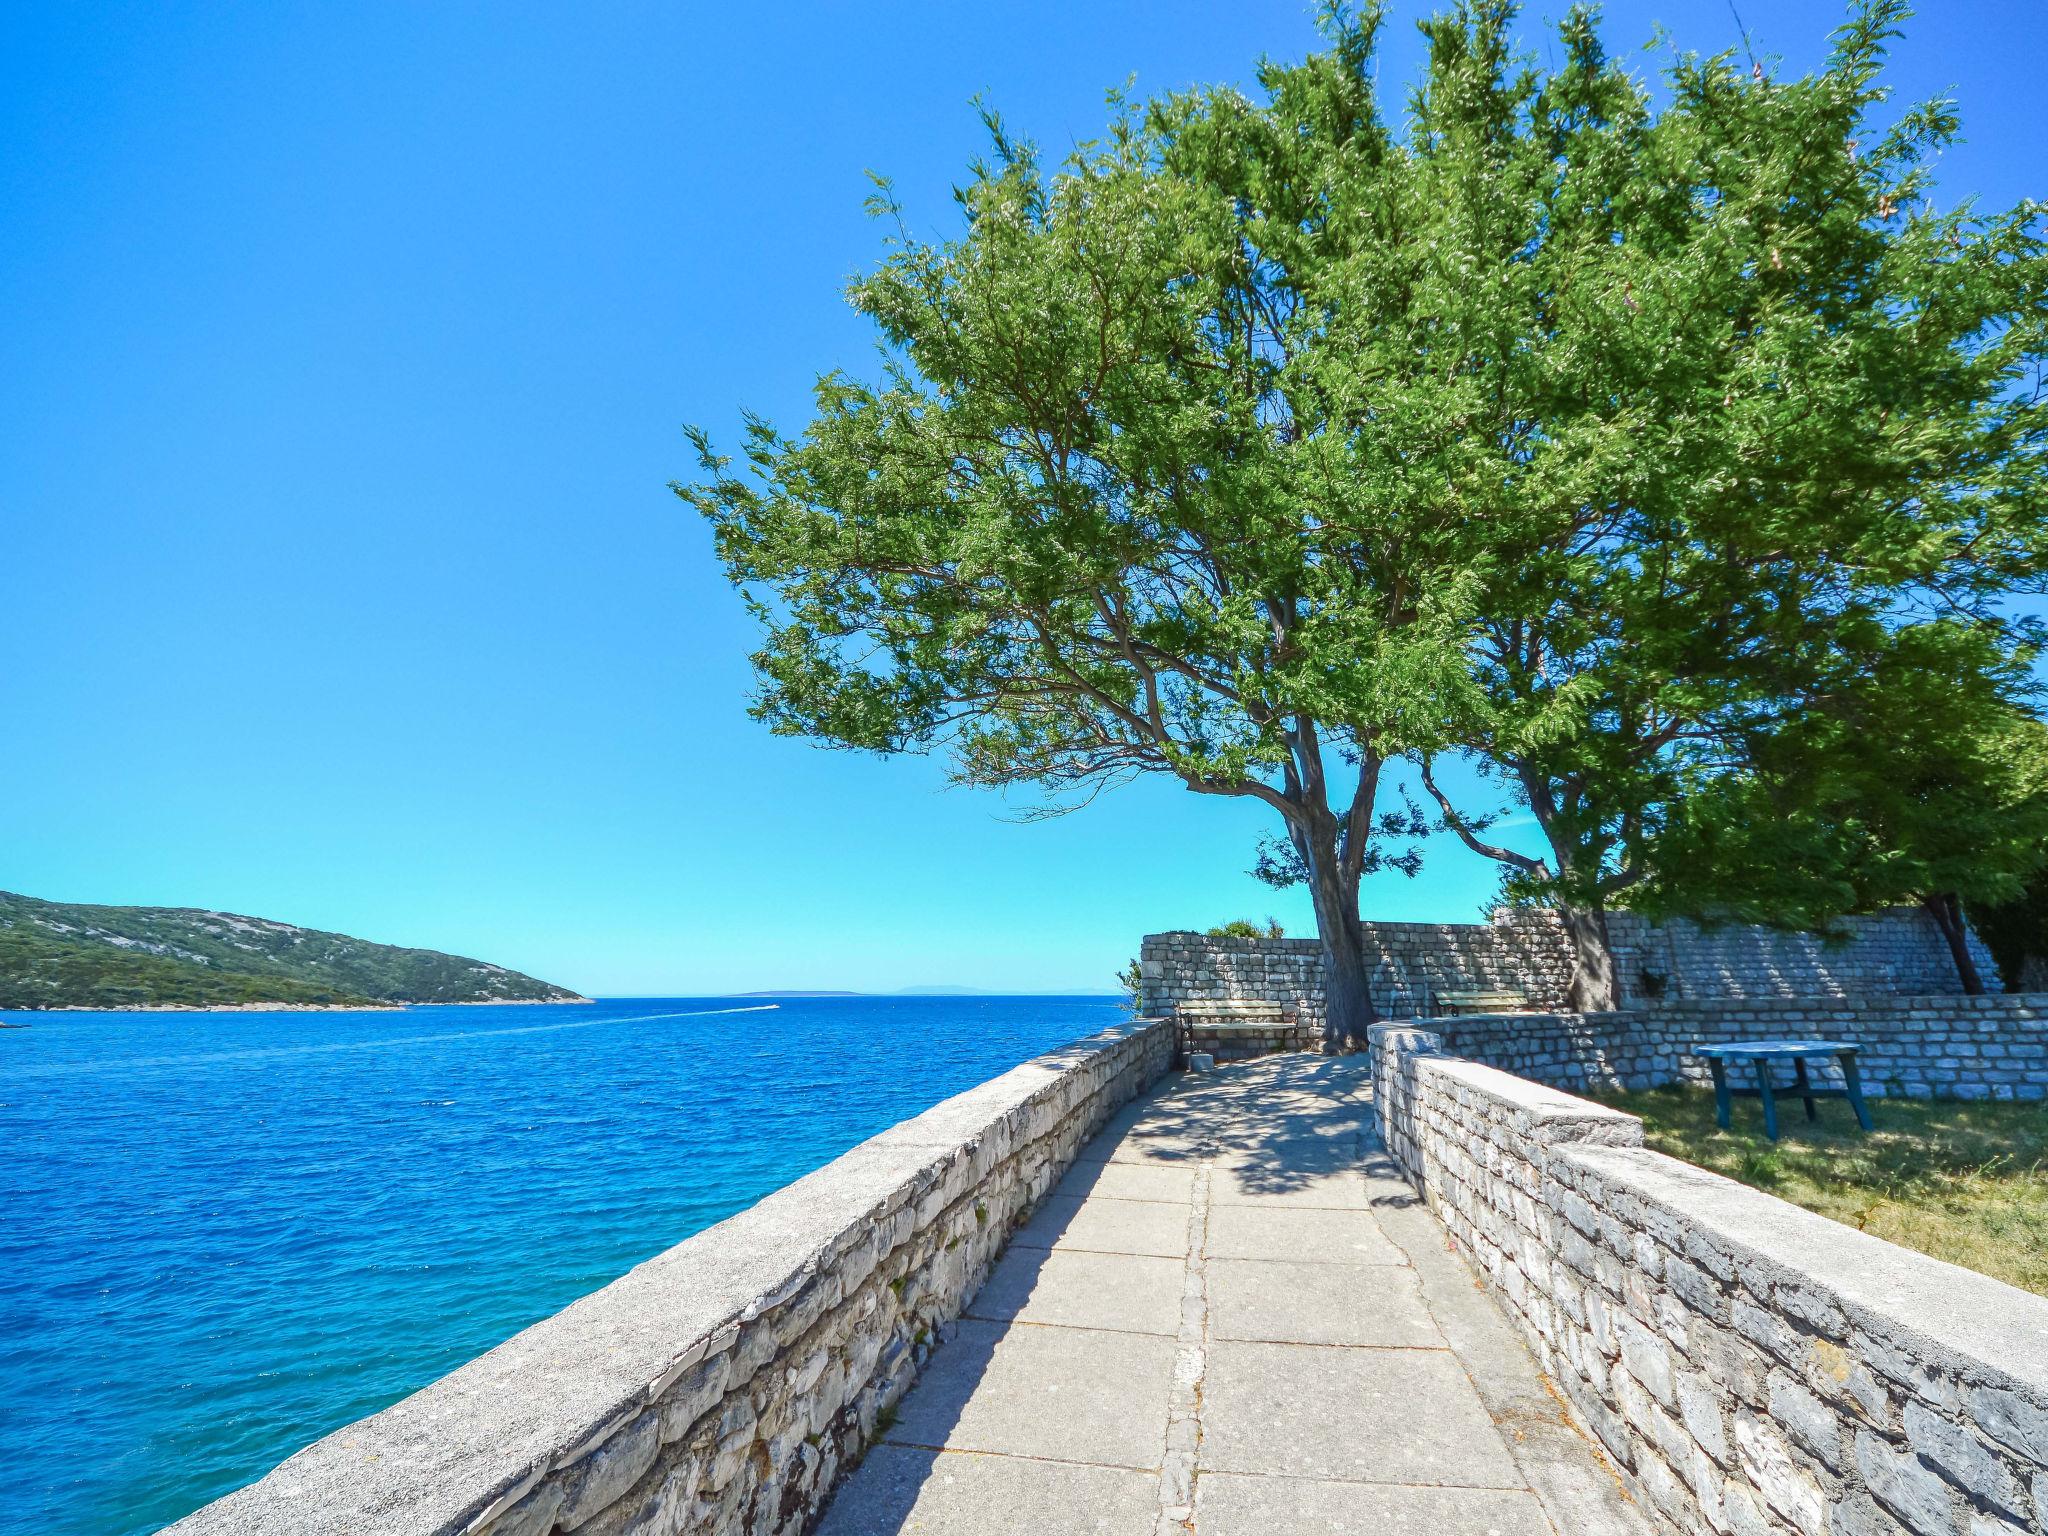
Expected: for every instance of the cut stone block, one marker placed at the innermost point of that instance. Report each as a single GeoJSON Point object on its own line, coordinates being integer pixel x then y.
{"type": "Point", "coordinates": [962, 1493]}
{"type": "Point", "coordinates": [1338, 1187]}
{"type": "Point", "coordinates": [1280, 1302]}
{"type": "Point", "coordinates": [1357, 1415]}
{"type": "Point", "coordinates": [1305, 1235]}
{"type": "Point", "coordinates": [1104, 1225]}
{"type": "Point", "coordinates": [1077, 1289]}
{"type": "Point", "coordinates": [1066, 1394]}
{"type": "Point", "coordinates": [1234, 1505]}
{"type": "Point", "coordinates": [1128, 1181]}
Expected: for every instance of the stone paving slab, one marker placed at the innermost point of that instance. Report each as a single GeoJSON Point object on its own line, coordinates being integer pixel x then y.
{"type": "Point", "coordinates": [1104, 1225]}
{"type": "Point", "coordinates": [1234, 1505]}
{"type": "Point", "coordinates": [1178, 1151]}
{"type": "Point", "coordinates": [1065, 1394]}
{"type": "Point", "coordinates": [1281, 1302]}
{"type": "Point", "coordinates": [1360, 1415]}
{"type": "Point", "coordinates": [1311, 1235]}
{"type": "Point", "coordinates": [966, 1493]}
{"type": "Point", "coordinates": [1129, 1181]}
{"type": "Point", "coordinates": [1127, 1292]}
{"type": "Point", "coordinates": [1339, 1186]}
{"type": "Point", "coordinates": [1233, 1317]}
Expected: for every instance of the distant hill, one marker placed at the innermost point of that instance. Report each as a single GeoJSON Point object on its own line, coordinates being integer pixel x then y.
{"type": "Point", "coordinates": [59, 954]}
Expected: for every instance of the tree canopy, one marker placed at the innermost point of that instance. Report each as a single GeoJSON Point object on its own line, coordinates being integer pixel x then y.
{"type": "Point", "coordinates": [1266, 441]}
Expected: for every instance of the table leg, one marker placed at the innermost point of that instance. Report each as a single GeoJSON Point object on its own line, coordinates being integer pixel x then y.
{"type": "Point", "coordinates": [1852, 1082]}
{"type": "Point", "coordinates": [1805, 1086]}
{"type": "Point", "coordinates": [1763, 1088]}
{"type": "Point", "coordinates": [1722, 1098]}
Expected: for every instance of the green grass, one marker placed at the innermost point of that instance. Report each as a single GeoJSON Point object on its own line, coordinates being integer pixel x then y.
{"type": "Point", "coordinates": [1963, 1182]}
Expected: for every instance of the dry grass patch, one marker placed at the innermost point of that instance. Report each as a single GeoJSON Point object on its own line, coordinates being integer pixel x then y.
{"type": "Point", "coordinates": [1963, 1182]}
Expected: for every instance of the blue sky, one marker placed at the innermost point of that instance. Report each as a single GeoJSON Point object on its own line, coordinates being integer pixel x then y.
{"type": "Point", "coordinates": [345, 355]}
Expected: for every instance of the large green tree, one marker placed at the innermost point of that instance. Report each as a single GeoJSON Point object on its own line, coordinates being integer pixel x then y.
{"type": "Point", "coordinates": [1109, 509]}
{"type": "Point", "coordinates": [1762, 400]}
{"type": "Point", "coordinates": [1268, 440]}
{"type": "Point", "coordinates": [1915, 775]}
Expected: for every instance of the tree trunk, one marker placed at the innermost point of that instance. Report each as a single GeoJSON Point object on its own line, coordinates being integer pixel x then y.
{"type": "Point", "coordinates": [1347, 999]}
{"type": "Point", "coordinates": [1592, 987]}
{"type": "Point", "coordinates": [1947, 911]}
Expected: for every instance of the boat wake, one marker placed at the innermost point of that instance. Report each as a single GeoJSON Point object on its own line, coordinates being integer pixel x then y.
{"type": "Point", "coordinates": [385, 1042]}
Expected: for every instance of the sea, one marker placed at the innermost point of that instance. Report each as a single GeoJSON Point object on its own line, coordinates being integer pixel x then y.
{"type": "Point", "coordinates": [223, 1235]}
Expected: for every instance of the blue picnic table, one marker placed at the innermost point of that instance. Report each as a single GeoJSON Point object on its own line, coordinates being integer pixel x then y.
{"type": "Point", "coordinates": [1761, 1054]}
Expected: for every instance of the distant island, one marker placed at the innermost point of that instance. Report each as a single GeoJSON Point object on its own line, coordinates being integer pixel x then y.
{"type": "Point", "coordinates": [57, 954]}
{"type": "Point", "coordinates": [934, 991]}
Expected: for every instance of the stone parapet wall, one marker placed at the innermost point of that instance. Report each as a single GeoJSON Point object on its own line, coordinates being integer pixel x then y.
{"type": "Point", "coordinates": [1889, 954]}
{"type": "Point", "coordinates": [723, 1385]}
{"type": "Point", "coordinates": [1751, 1367]}
{"type": "Point", "coordinates": [1921, 1047]}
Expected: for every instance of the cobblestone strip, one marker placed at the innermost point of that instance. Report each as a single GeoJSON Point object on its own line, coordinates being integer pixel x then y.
{"type": "Point", "coordinates": [1184, 1406]}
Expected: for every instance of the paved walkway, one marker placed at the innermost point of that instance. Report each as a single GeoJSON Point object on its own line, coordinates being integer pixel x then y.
{"type": "Point", "coordinates": [1232, 1318]}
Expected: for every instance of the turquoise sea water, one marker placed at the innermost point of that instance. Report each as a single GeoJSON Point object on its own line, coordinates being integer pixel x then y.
{"type": "Point", "coordinates": [223, 1235]}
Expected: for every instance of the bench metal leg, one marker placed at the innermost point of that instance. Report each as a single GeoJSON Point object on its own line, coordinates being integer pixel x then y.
{"type": "Point", "coordinates": [1722, 1098]}
{"type": "Point", "coordinates": [1852, 1083]}
{"type": "Point", "coordinates": [1763, 1089]}
{"type": "Point", "coordinates": [1804, 1085]}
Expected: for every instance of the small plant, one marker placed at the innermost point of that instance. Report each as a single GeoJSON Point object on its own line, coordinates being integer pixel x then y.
{"type": "Point", "coordinates": [980, 1215]}
{"type": "Point", "coordinates": [1132, 980]}
{"type": "Point", "coordinates": [1245, 928]}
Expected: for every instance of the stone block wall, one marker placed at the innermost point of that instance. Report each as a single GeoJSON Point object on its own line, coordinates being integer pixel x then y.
{"type": "Point", "coordinates": [1895, 953]}
{"type": "Point", "coordinates": [1752, 1368]}
{"type": "Point", "coordinates": [1411, 963]}
{"type": "Point", "coordinates": [1889, 954]}
{"type": "Point", "coordinates": [723, 1385]}
{"type": "Point", "coordinates": [1954, 1047]}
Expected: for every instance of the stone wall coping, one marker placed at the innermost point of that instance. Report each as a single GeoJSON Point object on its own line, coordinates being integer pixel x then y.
{"type": "Point", "coordinates": [1941, 1309]}
{"type": "Point", "coordinates": [465, 1446]}
{"type": "Point", "coordinates": [1735, 1007]}
{"type": "Point", "coordinates": [1750, 1365]}
{"type": "Point", "coordinates": [1990, 1002]}
{"type": "Point", "coordinates": [1893, 1292]}
{"type": "Point", "coordinates": [1550, 1114]}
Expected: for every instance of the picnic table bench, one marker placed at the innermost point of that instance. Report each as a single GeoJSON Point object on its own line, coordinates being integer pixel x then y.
{"type": "Point", "coordinates": [1761, 1054]}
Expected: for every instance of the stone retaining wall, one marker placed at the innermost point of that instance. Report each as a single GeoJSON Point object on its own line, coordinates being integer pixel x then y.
{"type": "Point", "coordinates": [1921, 1047]}
{"type": "Point", "coordinates": [1889, 954]}
{"type": "Point", "coordinates": [723, 1385]}
{"type": "Point", "coordinates": [1751, 1367]}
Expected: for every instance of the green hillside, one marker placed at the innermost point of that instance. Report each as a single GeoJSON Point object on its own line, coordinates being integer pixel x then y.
{"type": "Point", "coordinates": [58, 954]}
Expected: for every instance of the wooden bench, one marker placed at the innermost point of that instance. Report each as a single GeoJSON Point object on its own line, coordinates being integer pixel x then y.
{"type": "Point", "coordinates": [1453, 1001]}
{"type": "Point", "coordinates": [1236, 1030]}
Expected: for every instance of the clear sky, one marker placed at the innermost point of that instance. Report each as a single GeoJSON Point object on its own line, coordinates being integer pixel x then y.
{"type": "Point", "coordinates": [344, 358]}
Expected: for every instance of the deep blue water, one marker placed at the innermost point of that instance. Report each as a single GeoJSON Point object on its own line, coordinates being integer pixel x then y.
{"type": "Point", "coordinates": [222, 1235]}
